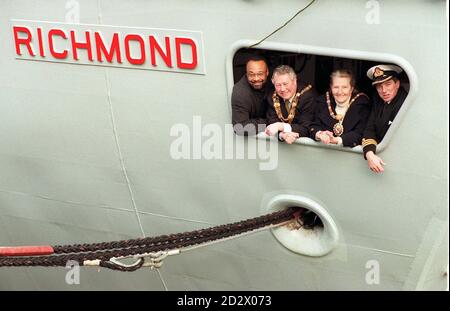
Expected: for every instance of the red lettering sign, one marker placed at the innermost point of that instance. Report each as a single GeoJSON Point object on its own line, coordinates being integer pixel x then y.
{"type": "Point", "coordinates": [155, 49]}
{"type": "Point", "coordinates": [180, 63]}
{"type": "Point", "coordinates": [55, 54]}
{"type": "Point", "coordinates": [18, 41]}
{"type": "Point", "coordinates": [113, 49]}
{"type": "Point", "coordinates": [81, 45]}
{"type": "Point", "coordinates": [165, 56]}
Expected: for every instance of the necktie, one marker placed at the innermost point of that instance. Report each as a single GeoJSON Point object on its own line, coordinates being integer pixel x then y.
{"type": "Point", "coordinates": [288, 105]}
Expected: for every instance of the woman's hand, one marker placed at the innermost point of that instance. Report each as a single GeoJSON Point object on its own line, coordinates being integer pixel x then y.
{"type": "Point", "coordinates": [336, 140]}
{"type": "Point", "coordinates": [324, 136]}
{"type": "Point", "coordinates": [289, 137]}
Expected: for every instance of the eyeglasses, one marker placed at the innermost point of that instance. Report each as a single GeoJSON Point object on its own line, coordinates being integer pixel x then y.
{"type": "Point", "coordinates": [252, 75]}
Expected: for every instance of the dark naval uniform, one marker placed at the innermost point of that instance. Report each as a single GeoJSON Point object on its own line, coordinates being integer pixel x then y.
{"type": "Point", "coordinates": [304, 112]}
{"type": "Point", "coordinates": [380, 119]}
{"type": "Point", "coordinates": [248, 106]}
{"type": "Point", "coordinates": [354, 122]}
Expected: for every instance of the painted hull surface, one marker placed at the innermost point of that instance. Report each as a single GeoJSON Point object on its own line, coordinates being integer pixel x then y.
{"type": "Point", "coordinates": [86, 149]}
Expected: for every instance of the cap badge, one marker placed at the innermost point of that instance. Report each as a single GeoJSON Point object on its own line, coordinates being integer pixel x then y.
{"type": "Point", "coordinates": [378, 72]}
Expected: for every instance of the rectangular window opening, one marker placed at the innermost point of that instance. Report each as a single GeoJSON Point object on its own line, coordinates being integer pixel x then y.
{"type": "Point", "coordinates": [314, 69]}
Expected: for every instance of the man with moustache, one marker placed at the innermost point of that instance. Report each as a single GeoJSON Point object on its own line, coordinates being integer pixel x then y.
{"type": "Point", "coordinates": [386, 104]}
{"type": "Point", "coordinates": [290, 109]}
{"type": "Point", "coordinates": [247, 99]}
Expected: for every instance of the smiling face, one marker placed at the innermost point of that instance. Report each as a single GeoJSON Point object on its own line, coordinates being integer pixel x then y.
{"type": "Point", "coordinates": [257, 73]}
{"type": "Point", "coordinates": [341, 89]}
{"type": "Point", "coordinates": [285, 85]}
{"type": "Point", "coordinates": [388, 89]}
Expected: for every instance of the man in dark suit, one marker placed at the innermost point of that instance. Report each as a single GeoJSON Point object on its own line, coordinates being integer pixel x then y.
{"type": "Point", "coordinates": [247, 99]}
{"type": "Point", "coordinates": [290, 109]}
{"type": "Point", "coordinates": [386, 104]}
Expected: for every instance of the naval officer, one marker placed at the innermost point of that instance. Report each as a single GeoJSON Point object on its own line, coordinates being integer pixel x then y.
{"type": "Point", "coordinates": [386, 104]}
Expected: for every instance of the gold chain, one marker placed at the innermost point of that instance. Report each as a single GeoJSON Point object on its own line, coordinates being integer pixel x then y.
{"type": "Point", "coordinates": [339, 117]}
{"type": "Point", "coordinates": [338, 128]}
{"type": "Point", "coordinates": [291, 112]}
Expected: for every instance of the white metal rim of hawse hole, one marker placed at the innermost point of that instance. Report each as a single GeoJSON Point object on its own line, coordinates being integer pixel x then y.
{"type": "Point", "coordinates": [310, 242]}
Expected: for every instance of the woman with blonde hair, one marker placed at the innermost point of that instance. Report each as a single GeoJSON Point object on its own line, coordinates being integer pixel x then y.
{"type": "Point", "coordinates": [341, 113]}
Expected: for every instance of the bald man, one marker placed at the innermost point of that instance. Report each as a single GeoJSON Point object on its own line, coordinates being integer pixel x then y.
{"type": "Point", "coordinates": [247, 99]}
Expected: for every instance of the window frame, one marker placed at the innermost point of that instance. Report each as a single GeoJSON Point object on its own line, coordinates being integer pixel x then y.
{"type": "Point", "coordinates": [331, 52]}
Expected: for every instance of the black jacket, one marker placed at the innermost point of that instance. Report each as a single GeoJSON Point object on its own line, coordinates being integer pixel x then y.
{"type": "Point", "coordinates": [354, 122]}
{"type": "Point", "coordinates": [248, 105]}
{"type": "Point", "coordinates": [381, 118]}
